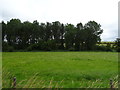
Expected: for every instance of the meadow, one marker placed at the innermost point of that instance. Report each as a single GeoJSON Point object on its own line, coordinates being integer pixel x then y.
{"type": "Point", "coordinates": [60, 69]}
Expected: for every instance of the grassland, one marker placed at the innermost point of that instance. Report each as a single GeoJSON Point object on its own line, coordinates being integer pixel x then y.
{"type": "Point", "coordinates": [60, 69]}
{"type": "Point", "coordinates": [0, 70]}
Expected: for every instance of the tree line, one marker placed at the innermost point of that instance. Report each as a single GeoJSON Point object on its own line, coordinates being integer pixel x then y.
{"type": "Point", "coordinates": [48, 36]}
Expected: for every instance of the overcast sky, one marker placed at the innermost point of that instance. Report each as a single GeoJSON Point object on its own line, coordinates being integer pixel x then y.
{"type": "Point", "coordinates": [104, 12]}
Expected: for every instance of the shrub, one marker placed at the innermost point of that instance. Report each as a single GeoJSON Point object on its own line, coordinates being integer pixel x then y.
{"type": "Point", "coordinates": [6, 47]}
{"type": "Point", "coordinates": [51, 44]}
{"type": "Point", "coordinates": [10, 49]}
{"type": "Point", "coordinates": [71, 49]}
{"type": "Point", "coordinates": [34, 47]}
{"type": "Point", "coordinates": [29, 48]}
{"type": "Point", "coordinates": [118, 49]}
{"type": "Point", "coordinates": [103, 48]}
{"type": "Point", "coordinates": [42, 45]}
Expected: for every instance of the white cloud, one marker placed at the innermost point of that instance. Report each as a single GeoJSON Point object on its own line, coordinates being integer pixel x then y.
{"type": "Point", "coordinates": [104, 12]}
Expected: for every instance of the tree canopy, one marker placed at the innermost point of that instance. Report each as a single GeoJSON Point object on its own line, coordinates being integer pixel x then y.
{"type": "Point", "coordinates": [50, 35]}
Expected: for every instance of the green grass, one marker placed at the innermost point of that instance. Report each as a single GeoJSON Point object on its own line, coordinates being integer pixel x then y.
{"type": "Point", "coordinates": [0, 70]}
{"type": "Point", "coordinates": [60, 69]}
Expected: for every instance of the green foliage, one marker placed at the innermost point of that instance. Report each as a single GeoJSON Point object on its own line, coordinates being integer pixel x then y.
{"type": "Point", "coordinates": [10, 49]}
{"type": "Point", "coordinates": [117, 45]}
{"type": "Point", "coordinates": [52, 44]}
{"type": "Point", "coordinates": [53, 35]}
{"type": "Point", "coordinates": [32, 47]}
{"type": "Point", "coordinates": [71, 49]}
{"type": "Point", "coordinates": [6, 47]}
{"type": "Point", "coordinates": [42, 45]}
{"type": "Point", "coordinates": [103, 48]}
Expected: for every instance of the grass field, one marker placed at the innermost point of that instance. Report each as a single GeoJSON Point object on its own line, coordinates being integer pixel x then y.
{"type": "Point", "coordinates": [60, 69]}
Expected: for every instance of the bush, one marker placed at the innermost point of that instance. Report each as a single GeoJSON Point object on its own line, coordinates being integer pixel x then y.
{"type": "Point", "coordinates": [103, 48]}
{"type": "Point", "coordinates": [51, 44]}
{"type": "Point", "coordinates": [29, 48]}
{"type": "Point", "coordinates": [10, 49]}
{"type": "Point", "coordinates": [118, 49]}
{"type": "Point", "coordinates": [6, 47]}
{"type": "Point", "coordinates": [45, 46]}
{"type": "Point", "coordinates": [42, 45]}
{"type": "Point", "coordinates": [71, 49]}
{"type": "Point", "coordinates": [34, 47]}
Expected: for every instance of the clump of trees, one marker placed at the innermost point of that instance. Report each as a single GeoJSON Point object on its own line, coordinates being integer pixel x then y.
{"type": "Point", "coordinates": [117, 44]}
{"type": "Point", "coordinates": [17, 35]}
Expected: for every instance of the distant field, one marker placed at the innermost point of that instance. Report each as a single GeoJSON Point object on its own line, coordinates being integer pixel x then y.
{"type": "Point", "coordinates": [60, 69]}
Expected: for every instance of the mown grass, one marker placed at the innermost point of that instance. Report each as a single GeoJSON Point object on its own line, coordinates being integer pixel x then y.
{"type": "Point", "coordinates": [60, 69]}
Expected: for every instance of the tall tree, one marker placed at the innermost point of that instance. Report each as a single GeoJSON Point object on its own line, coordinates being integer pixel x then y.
{"type": "Point", "coordinates": [69, 35]}
{"type": "Point", "coordinates": [56, 32]}
{"type": "Point", "coordinates": [48, 31]}
{"type": "Point", "coordinates": [34, 32]}
{"type": "Point", "coordinates": [25, 36]}
{"type": "Point", "coordinates": [93, 31]}
{"type": "Point", "coordinates": [78, 35]}
{"type": "Point", "coordinates": [12, 31]}
{"type": "Point", "coordinates": [62, 34]}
